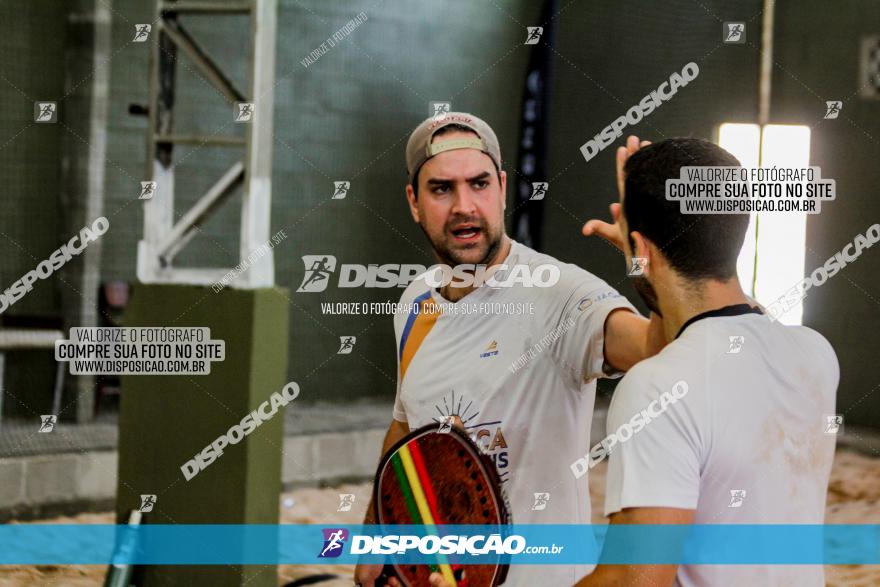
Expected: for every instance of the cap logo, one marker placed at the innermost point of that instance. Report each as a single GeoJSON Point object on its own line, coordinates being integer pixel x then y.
{"type": "Point", "coordinates": [450, 118]}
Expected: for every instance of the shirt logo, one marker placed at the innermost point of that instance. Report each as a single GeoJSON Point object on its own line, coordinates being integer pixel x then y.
{"type": "Point", "coordinates": [490, 351]}
{"type": "Point", "coordinates": [334, 539]}
{"type": "Point", "coordinates": [487, 435]}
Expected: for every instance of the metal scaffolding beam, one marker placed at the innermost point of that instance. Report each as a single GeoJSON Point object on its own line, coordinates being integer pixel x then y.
{"type": "Point", "coordinates": [163, 237]}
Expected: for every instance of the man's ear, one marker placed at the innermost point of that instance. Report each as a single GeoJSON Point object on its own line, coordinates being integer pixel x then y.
{"type": "Point", "coordinates": [644, 249]}
{"type": "Point", "coordinates": [503, 175]}
{"type": "Point", "coordinates": [413, 203]}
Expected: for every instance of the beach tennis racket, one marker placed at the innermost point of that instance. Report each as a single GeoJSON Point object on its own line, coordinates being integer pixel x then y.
{"type": "Point", "coordinates": [440, 478]}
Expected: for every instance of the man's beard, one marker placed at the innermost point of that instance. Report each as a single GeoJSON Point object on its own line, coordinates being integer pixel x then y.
{"type": "Point", "coordinates": [648, 294]}
{"type": "Point", "coordinates": [452, 257]}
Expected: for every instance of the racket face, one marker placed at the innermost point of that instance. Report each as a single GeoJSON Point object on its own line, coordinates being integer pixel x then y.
{"type": "Point", "coordinates": [440, 478]}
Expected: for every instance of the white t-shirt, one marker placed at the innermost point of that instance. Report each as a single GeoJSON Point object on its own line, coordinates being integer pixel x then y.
{"type": "Point", "coordinates": [753, 420]}
{"type": "Point", "coordinates": [530, 411]}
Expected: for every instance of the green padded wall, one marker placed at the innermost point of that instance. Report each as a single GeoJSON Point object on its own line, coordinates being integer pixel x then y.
{"type": "Point", "coordinates": [165, 420]}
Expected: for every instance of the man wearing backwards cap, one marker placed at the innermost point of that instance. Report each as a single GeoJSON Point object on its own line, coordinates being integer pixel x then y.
{"type": "Point", "coordinates": [522, 385]}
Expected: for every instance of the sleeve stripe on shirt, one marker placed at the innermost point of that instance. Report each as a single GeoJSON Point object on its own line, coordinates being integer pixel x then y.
{"type": "Point", "coordinates": [418, 325]}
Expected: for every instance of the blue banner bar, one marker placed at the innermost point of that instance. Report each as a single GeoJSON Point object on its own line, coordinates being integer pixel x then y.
{"type": "Point", "coordinates": [79, 544]}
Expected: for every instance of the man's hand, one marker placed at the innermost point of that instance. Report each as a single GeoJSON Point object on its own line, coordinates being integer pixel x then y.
{"type": "Point", "coordinates": [629, 338]}
{"type": "Point", "coordinates": [366, 575]}
{"type": "Point", "coordinates": [613, 232]}
{"type": "Point", "coordinates": [437, 580]}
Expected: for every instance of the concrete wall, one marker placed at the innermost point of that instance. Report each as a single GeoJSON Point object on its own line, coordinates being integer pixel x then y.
{"type": "Point", "coordinates": [45, 485]}
{"type": "Point", "coordinates": [48, 484]}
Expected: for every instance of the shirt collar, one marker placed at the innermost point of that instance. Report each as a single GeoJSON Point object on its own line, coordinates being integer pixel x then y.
{"type": "Point", "coordinates": [734, 310]}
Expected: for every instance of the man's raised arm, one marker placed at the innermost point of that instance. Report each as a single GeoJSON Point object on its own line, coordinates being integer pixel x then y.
{"type": "Point", "coordinates": [629, 338]}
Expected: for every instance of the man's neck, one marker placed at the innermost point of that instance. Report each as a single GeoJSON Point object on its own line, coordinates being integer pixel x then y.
{"type": "Point", "coordinates": [453, 294]}
{"type": "Point", "coordinates": [680, 302]}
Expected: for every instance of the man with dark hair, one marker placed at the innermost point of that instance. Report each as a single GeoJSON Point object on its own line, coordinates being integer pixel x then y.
{"type": "Point", "coordinates": [738, 435]}
{"type": "Point", "coordinates": [725, 424]}
{"type": "Point", "coordinates": [698, 246]}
